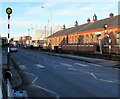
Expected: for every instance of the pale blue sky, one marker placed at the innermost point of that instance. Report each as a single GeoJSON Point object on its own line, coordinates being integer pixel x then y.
{"type": "Point", "coordinates": [30, 14]}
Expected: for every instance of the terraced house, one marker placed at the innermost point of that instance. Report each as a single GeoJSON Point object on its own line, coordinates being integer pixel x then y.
{"type": "Point", "coordinates": [100, 36]}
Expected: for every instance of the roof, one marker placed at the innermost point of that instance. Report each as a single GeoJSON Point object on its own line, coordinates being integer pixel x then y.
{"type": "Point", "coordinates": [111, 21]}
{"type": "Point", "coordinates": [61, 32]}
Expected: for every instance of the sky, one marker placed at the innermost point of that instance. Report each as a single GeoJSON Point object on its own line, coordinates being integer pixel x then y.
{"type": "Point", "coordinates": [36, 14]}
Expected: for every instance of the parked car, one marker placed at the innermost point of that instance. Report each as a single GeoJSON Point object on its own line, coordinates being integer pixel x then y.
{"type": "Point", "coordinates": [13, 49]}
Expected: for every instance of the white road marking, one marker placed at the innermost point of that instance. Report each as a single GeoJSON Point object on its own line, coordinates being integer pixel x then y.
{"type": "Point", "coordinates": [102, 79]}
{"type": "Point", "coordinates": [22, 66]}
{"type": "Point", "coordinates": [95, 65]}
{"type": "Point", "coordinates": [57, 96]}
{"type": "Point", "coordinates": [80, 64]}
{"type": "Point", "coordinates": [66, 64]}
{"type": "Point", "coordinates": [30, 74]}
{"type": "Point", "coordinates": [72, 68]}
{"type": "Point", "coordinates": [106, 80]}
{"type": "Point", "coordinates": [40, 66]}
{"type": "Point", "coordinates": [34, 80]}
{"type": "Point", "coordinates": [93, 75]}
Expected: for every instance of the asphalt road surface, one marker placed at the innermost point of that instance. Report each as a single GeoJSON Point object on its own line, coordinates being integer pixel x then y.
{"type": "Point", "coordinates": [65, 77]}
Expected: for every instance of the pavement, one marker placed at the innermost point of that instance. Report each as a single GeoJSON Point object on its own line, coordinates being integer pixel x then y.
{"type": "Point", "coordinates": [102, 62]}
{"type": "Point", "coordinates": [15, 80]}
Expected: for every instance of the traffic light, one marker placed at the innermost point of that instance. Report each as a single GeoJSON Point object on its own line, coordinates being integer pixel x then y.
{"type": "Point", "coordinates": [8, 10]}
{"type": "Point", "coordinates": [105, 26]}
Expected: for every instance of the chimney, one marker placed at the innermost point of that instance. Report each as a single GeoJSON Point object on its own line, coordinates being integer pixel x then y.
{"type": "Point", "coordinates": [111, 15]}
{"type": "Point", "coordinates": [76, 23]}
{"type": "Point", "coordinates": [63, 27]}
{"type": "Point", "coordinates": [88, 20]}
{"type": "Point", "coordinates": [94, 18]}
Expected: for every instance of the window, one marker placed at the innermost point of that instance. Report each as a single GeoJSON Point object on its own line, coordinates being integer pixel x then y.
{"type": "Point", "coordinates": [76, 40]}
{"type": "Point", "coordinates": [79, 39]}
{"type": "Point", "coordinates": [118, 38]}
{"type": "Point", "coordinates": [91, 38]}
{"type": "Point", "coordinates": [87, 39]}
{"type": "Point", "coordinates": [82, 39]}
{"type": "Point", "coordinates": [72, 39]}
{"type": "Point", "coordinates": [66, 40]}
{"type": "Point", "coordinates": [63, 40]}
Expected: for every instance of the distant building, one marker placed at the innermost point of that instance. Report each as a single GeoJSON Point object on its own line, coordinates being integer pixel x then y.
{"type": "Point", "coordinates": [102, 36]}
{"type": "Point", "coordinates": [41, 34]}
{"type": "Point", "coordinates": [4, 40]}
{"type": "Point", "coordinates": [25, 40]}
{"type": "Point", "coordinates": [37, 43]}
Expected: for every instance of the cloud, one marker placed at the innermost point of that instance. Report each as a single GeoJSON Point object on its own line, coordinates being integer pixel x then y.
{"type": "Point", "coordinates": [76, 11]}
{"type": "Point", "coordinates": [25, 23]}
{"type": "Point", "coordinates": [87, 8]}
{"type": "Point", "coordinates": [40, 8]}
{"type": "Point", "coordinates": [34, 10]}
{"type": "Point", "coordinates": [63, 12]}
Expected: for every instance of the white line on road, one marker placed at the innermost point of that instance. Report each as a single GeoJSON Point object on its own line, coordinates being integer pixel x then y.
{"type": "Point", "coordinates": [72, 68]}
{"type": "Point", "coordinates": [66, 64]}
{"type": "Point", "coordinates": [103, 79]}
{"type": "Point", "coordinates": [40, 66]}
{"type": "Point", "coordinates": [95, 65]}
{"type": "Point", "coordinates": [93, 75]}
{"type": "Point", "coordinates": [80, 64]}
{"type": "Point", "coordinates": [22, 66]}
{"type": "Point", "coordinates": [57, 96]}
{"type": "Point", "coordinates": [30, 74]}
{"type": "Point", "coordinates": [107, 81]}
{"type": "Point", "coordinates": [34, 80]}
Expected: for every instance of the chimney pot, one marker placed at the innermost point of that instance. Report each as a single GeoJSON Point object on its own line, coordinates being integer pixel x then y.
{"type": "Point", "coordinates": [111, 15]}
{"type": "Point", "coordinates": [94, 17]}
{"type": "Point", "coordinates": [63, 26]}
{"type": "Point", "coordinates": [76, 23]}
{"type": "Point", "coordinates": [88, 20]}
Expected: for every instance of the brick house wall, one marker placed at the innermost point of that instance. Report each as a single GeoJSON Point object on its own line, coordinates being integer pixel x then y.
{"type": "Point", "coordinates": [89, 43]}
{"type": "Point", "coordinates": [90, 37]}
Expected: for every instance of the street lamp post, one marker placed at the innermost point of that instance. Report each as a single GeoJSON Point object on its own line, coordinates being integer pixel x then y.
{"type": "Point", "coordinates": [29, 31]}
{"type": "Point", "coordinates": [8, 11]}
{"type": "Point", "coordinates": [50, 20]}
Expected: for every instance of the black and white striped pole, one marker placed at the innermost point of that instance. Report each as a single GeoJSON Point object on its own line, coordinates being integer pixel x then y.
{"type": "Point", "coordinates": [8, 11]}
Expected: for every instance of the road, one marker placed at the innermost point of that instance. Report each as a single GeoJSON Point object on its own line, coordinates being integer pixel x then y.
{"type": "Point", "coordinates": [65, 77]}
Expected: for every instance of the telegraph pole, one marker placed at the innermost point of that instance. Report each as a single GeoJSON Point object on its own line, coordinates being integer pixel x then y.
{"type": "Point", "coordinates": [8, 11]}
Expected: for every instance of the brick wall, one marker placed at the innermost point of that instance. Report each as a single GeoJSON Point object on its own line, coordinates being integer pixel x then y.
{"type": "Point", "coordinates": [86, 41]}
